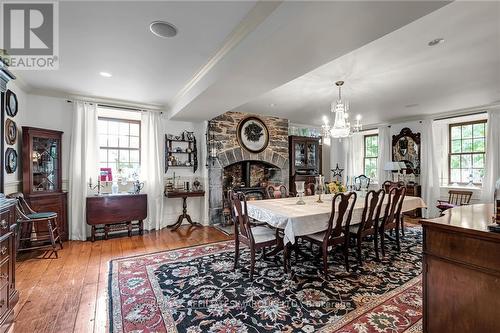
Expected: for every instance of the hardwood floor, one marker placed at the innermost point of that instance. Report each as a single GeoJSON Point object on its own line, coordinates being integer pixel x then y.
{"type": "Point", "coordinates": [69, 294]}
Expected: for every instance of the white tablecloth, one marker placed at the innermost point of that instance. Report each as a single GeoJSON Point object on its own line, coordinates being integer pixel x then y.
{"type": "Point", "coordinates": [300, 220]}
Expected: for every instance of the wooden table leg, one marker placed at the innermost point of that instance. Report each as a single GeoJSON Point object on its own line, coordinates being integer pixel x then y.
{"type": "Point", "coordinates": [141, 227]}
{"type": "Point", "coordinates": [129, 228]}
{"type": "Point", "coordinates": [92, 237]}
{"type": "Point", "coordinates": [183, 216]}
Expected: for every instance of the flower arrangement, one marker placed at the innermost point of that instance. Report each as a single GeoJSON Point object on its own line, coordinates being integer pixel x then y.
{"type": "Point", "coordinates": [336, 187]}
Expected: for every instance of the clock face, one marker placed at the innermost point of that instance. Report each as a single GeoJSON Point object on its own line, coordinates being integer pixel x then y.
{"type": "Point", "coordinates": [11, 103]}
{"type": "Point", "coordinates": [10, 160]}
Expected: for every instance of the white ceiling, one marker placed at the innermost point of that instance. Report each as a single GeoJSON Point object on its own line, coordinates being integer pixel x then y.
{"type": "Point", "coordinates": [245, 56]}
{"type": "Point", "coordinates": [114, 37]}
{"type": "Point", "coordinates": [295, 39]}
{"type": "Point", "coordinates": [400, 70]}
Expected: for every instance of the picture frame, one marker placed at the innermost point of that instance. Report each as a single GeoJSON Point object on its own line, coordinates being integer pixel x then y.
{"type": "Point", "coordinates": [10, 131]}
{"type": "Point", "coordinates": [11, 103]}
{"type": "Point", "coordinates": [253, 134]}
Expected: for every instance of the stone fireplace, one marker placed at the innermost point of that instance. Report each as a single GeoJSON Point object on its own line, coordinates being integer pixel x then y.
{"type": "Point", "coordinates": [250, 177]}
{"type": "Point", "coordinates": [237, 168]}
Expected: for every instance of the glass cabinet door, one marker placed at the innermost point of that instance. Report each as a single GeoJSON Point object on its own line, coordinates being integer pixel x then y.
{"type": "Point", "coordinates": [312, 154]}
{"type": "Point", "coordinates": [300, 154]}
{"type": "Point", "coordinates": [45, 164]}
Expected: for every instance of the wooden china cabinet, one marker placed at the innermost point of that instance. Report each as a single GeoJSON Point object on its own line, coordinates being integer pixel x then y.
{"type": "Point", "coordinates": [42, 178]}
{"type": "Point", "coordinates": [305, 159]}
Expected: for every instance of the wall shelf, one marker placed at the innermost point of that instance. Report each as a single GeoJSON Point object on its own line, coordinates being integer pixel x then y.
{"type": "Point", "coordinates": [192, 156]}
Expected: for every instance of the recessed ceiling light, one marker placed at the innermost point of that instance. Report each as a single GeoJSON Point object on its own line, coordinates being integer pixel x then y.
{"type": "Point", "coordinates": [272, 105]}
{"type": "Point", "coordinates": [163, 29]}
{"type": "Point", "coordinates": [411, 105]}
{"type": "Point", "coordinates": [105, 74]}
{"type": "Point", "coordinates": [436, 41]}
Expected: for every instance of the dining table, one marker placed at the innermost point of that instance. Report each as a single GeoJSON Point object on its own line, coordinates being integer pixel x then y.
{"type": "Point", "coordinates": [312, 217]}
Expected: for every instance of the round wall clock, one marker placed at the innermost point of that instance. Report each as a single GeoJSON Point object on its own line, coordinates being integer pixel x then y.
{"type": "Point", "coordinates": [10, 131]}
{"type": "Point", "coordinates": [253, 134]}
{"type": "Point", "coordinates": [11, 103]}
{"type": "Point", "coordinates": [10, 160]}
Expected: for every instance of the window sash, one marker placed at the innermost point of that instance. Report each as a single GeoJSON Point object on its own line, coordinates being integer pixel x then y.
{"type": "Point", "coordinates": [462, 154]}
{"type": "Point", "coordinates": [118, 148]}
{"type": "Point", "coordinates": [369, 157]}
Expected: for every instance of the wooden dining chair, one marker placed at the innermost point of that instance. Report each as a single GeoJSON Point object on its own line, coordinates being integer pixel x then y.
{"type": "Point", "coordinates": [388, 185]}
{"type": "Point", "coordinates": [369, 224]}
{"type": "Point", "coordinates": [35, 228]}
{"type": "Point", "coordinates": [455, 198]}
{"type": "Point", "coordinates": [392, 216]}
{"type": "Point", "coordinates": [255, 237]}
{"type": "Point", "coordinates": [276, 192]}
{"type": "Point", "coordinates": [310, 189]}
{"type": "Point", "coordinates": [338, 228]}
{"type": "Point", "coordinates": [361, 182]}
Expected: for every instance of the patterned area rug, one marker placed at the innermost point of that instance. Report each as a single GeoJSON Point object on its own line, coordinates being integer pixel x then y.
{"type": "Point", "coordinates": [196, 290]}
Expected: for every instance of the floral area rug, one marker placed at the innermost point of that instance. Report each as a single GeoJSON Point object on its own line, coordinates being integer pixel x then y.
{"type": "Point", "coordinates": [196, 290]}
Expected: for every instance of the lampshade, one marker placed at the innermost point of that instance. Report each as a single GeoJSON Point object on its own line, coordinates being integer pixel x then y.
{"type": "Point", "coordinates": [402, 165]}
{"type": "Point", "coordinates": [392, 166]}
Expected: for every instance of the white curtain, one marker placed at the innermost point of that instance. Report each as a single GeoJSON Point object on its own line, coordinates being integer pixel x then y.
{"type": "Point", "coordinates": [429, 174]}
{"type": "Point", "coordinates": [83, 165]}
{"type": "Point", "coordinates": [492, 165]}
{"type": "Point", "coordinates": [353, 148]}
{"type": "Point", "coordinates": [152, 166]}
{"type": "Point", "coordinates": [384, 153]}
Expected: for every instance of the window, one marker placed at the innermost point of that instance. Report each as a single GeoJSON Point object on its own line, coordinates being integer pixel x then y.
{"type": "Point", "coordinates": [119, 142]}
{"type": "Point", "coordinates": [371, 155]}
{"type": "Point", "coordinates": [467, 148]}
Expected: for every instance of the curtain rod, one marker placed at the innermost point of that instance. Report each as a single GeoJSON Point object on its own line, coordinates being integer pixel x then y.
{"type": "Point", "coordinates": [126, 108]}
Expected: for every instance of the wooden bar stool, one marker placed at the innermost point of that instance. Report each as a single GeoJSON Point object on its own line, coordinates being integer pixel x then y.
{"type": "Point", "coordinates": [32, 225]}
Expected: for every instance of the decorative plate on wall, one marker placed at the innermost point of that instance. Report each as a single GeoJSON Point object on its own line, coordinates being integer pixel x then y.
{"type": "Point", "coordinates": [253, 134]}
{"type": "Point", "coordinates": [10, 103]}
{"type": "Point", "coordinates": [10, 160]}
{"type": "Point", "coordinates": [10, 131]}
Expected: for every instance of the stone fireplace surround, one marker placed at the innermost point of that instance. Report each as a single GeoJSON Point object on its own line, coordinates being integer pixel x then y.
{"type": "Point", "coordinates": [275, 155]}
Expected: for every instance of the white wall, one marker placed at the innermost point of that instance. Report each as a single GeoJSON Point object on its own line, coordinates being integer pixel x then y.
{"type": "Point", "coordinates": [44, 112]}
{"type": "Point", "coordinates": [197, 207]}
{"type": "Point", "coordinates": [12, 180]}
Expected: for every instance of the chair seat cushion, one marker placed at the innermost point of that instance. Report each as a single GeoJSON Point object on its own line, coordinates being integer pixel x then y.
{"type": "Point", "coordinates": [444, 206]}
{"type": "Point", "coordinates": [42, 215]}
{"type": "Point", "coordinates": [263, 234]}
{"type": "Point", "coordinates": [354, 228]}
{"type": "Point", "coordinates": [319, 236]}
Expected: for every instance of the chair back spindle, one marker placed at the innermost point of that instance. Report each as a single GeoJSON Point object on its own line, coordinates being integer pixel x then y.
{"type": "Point", "coordinates": [459, 198]}
{"type": "Point", "coordinates": [340, 217]}
{"type": "Point", "coordinates": [394, 206]}
{"type": "Point", "coordinates": [242, 217]}
{"type": "Point", "coordinates": [371, 212]}
{"type": "Point", "coordinates": [361, 182]}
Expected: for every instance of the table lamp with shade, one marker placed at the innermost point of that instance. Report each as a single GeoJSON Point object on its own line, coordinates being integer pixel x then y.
{"type": "Point", "coordinates": [392, 166]}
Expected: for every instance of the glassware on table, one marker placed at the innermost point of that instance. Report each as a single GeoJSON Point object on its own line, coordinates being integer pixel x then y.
{"type": "Point", "coordinates": [320, 187]}
{"type": "Point", "coordinates": [299, 187]}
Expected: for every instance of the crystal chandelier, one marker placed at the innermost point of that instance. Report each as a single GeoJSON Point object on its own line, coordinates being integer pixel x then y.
{"type": "Point", "coordinates": [341, 125]}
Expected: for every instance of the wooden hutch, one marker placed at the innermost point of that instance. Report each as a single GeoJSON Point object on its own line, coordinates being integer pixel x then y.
{"type": "Point", "coordinates": [305, 159]}
{"type": "Point", "coordinates": [42, 178]}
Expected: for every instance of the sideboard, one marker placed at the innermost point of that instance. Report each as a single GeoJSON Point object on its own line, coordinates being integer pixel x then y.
{"type": "Point", "coordinates": [461, 271]}
{"type": "Point", "coordinates": [8, 293]}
